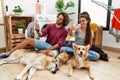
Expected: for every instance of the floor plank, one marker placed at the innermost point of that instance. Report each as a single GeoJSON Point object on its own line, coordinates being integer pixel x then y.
{"type": "Point", "coordinates": [102, 71]}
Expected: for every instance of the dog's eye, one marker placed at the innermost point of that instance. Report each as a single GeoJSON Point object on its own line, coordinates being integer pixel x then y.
{"type": "Point", "coordinates": [83, 48]}
{"type": "Point", "coordinates": [78, 48]}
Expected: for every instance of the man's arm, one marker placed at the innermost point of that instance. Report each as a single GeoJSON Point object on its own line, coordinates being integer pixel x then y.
{"type": "Point", "coordinates": [56, 46]}
{"type": "Point", "coordinates": [37, 28]}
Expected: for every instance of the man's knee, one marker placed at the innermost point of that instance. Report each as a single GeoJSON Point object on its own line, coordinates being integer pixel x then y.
{"type": "Point", "coordinates": [29, 41]}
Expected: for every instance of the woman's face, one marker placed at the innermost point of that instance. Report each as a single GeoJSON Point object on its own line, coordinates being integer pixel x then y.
{"type": "Point", "coordinates": [60, 19]}
{"type": "Point", "coordinates": [83, 22]}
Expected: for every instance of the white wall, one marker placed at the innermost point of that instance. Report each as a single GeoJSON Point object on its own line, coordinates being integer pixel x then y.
{"type": "Point", "coordinates": [108, 39]}
{"type": "Point", "coordinates": [98, 15]}
{"type": "Point", "coordinates": [49, 9]}
{"type": "Point", "coordinates": [29, 9]}
{"type": "Point", "coordinates": [29, 6]}
{"type": "Point", "coordinates": [2, 37]}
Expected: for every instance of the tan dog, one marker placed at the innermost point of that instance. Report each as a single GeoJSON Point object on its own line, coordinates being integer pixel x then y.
{"type": "Point", "coordinates": [33, 61]}
{"type": "Point", "coordinates": [80, 60]}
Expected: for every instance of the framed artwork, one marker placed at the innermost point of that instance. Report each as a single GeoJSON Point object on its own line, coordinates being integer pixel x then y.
{"type": "Point", "coordinates": [1, 12]}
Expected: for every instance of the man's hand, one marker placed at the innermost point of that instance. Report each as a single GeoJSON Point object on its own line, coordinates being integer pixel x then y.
{"type": "Point", "coordinates": [44, 51]}
{"type": "Point", "coordinates": [37, 28]}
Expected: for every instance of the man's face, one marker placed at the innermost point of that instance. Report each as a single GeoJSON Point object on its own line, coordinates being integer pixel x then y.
{"type": "Point", "coordinates": [60, 19]}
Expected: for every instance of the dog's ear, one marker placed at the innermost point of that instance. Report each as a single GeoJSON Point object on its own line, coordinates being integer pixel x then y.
{"type": "Point", "coordinates": [88, 46]}
{"type": "Point", "coordinates": [75, 50]}
{"type": "Point", "coordinates": [74, 46]}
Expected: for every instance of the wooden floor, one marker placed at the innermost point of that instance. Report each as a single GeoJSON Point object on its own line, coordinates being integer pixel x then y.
{"type": "Point", "coordinates": [102, 71]}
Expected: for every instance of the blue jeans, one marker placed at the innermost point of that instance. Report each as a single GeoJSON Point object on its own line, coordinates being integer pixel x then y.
{"type": "Point", "coordinates": [92, 54]}
{"type": "Point", "coordinates": [42, 45]}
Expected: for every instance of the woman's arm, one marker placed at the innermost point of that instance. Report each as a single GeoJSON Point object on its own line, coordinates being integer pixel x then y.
{"type": "Point", "coordinates": [73, 29]}
{"type": "Point", "coordinates": [92, 37]}
{"type": "Point", "coordinates": [91, 42]}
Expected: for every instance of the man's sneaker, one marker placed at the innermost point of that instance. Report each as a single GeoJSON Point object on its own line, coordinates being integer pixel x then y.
{"type": "Point", "coordinates": [4, 55]}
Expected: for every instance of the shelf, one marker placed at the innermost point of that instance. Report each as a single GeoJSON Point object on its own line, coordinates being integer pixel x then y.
{"type": "Point", "coordinates": [12, 36]}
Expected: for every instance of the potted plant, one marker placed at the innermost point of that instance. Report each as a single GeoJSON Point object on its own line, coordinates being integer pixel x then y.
{"type": "Point", "coordinates": [62, 7]}
{"type": "Point", "coordinates": [18, 10]}
{"type": "Point", "coordinates": [20, 27]}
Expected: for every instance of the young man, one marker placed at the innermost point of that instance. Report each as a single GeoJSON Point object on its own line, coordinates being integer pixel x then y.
{"type": "Point", "coordinates": [56, 35]}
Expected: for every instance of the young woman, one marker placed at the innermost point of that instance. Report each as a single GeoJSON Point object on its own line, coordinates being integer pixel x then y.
{"type": "Point", "coordinates": [83, 35]}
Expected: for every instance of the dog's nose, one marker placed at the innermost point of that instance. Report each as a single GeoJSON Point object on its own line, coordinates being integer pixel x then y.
{"type": "Point", "coordinates": [81, 53]}
{"type": "Point", "coordinates": [54, 69]}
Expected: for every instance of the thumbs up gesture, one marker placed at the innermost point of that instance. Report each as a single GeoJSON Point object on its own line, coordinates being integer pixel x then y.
{"type": "Point", "coordinates": [37, 27]}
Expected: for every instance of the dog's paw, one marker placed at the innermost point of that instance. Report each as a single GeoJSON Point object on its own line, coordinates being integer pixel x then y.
{"type": "Point", "coordinates": [69, 75]}
{"type": "Point", "coordinates": [91, 78]}
{"type": "Point", "coordinates": [17, 79]}
{"type": "Point", "coordinates": [27, 78]}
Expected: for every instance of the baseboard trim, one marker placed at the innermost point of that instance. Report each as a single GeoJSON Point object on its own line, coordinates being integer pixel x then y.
{"type": "Point", "coordinates": [111, 48]}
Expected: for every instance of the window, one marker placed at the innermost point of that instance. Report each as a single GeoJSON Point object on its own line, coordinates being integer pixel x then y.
{"type": "Point", "coordinates": [98, 13]}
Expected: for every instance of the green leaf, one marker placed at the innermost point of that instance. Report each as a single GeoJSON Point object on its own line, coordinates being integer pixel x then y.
{"type": "Point", "coordinates": [62, 7]}
{"type": "Point", "coordinates": [59, 5]}
{"type": "Point", "coordinates": [20, 25]}
{"type": "Point", "coordinates": [17, 9]}
{"type": "Point", "coordinates": [69, 4]}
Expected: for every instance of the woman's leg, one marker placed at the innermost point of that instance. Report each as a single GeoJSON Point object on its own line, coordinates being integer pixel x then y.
{"type": "Point", "coordinates": [94, 56]}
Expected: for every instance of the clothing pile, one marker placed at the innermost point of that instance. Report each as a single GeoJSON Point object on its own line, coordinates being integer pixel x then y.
{"type": "Point", "coordinates": [115, 30]}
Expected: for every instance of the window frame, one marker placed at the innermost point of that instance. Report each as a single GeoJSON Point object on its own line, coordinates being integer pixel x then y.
{"type": "Point", "coordinates": [108, 14]}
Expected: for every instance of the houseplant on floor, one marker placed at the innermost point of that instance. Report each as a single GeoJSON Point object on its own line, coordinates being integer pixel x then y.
{"type": "Point", "coordinates": [20, 27]}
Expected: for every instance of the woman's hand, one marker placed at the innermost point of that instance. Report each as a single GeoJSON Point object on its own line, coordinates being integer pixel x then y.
{"type": "Point", "coordinates": [73, 29]}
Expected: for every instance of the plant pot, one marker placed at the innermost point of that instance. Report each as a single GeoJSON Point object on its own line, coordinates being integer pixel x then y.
{"type": "Point", "coordinates": [20, 30]}
{"type": "Point", "coordinates": [18, 13]}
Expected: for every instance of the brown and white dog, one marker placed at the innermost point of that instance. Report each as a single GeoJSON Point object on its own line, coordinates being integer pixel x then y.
{"type": "Point", "coordinates": [78, 60]}
{"type": "Point", "coordinates": [32, 60]}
